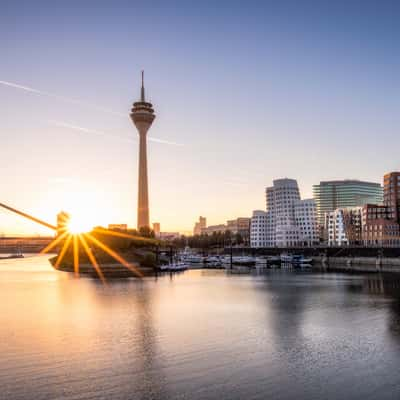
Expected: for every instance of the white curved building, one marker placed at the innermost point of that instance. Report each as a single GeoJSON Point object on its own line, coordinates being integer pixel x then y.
{"type": "Point", "coordinates": [288, 220]}
{"type": "Point", "coordinates": [262, 233]}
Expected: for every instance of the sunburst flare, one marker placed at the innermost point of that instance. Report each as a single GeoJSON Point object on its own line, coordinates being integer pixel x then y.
{"type": "Point", "coordinates": [115, 255]}
{"type": "Point", "coordinates": [92, 258]}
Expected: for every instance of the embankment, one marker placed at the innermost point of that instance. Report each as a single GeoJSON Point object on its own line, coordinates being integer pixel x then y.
{"type": "Point", "coordinates": [358, 264]}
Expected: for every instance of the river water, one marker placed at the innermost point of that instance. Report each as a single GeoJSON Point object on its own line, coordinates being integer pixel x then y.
{"type": "Point", "coordinates": [201, 334]}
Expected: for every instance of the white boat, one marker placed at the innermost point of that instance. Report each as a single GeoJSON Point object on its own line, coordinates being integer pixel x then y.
{"type": "Point", "coordinates": [238, 260]}
{"type": "Point", "coordinates": [16, 255]}
{"type": "Point", "coordinates": [295, 260]}
{"type": "Point", "coordinates": [286, 258]}
{"type": "Point", "coordinates": [212, 262]}
{"type": "Point", "coordinates": [244, 260]}
{"type": "Point", "coordinates": [173, 267]}
{"type": "Point", "coordinates": [178, 266]}
{"type": "Point", "coordinates": [192, 258]}
{"type": "Point", "coordinates": [212, 259]}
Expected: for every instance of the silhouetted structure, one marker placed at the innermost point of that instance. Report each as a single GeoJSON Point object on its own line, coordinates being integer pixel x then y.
{"type": "Point", "coordinates": [32, 218]}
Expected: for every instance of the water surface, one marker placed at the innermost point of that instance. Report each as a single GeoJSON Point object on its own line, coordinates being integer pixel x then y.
{"type": "Point", "coordinates": [202, 334]}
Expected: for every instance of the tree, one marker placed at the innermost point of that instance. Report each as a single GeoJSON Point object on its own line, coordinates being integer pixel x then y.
{"type": "Point", "coordinates": [145, 231]}
{"type": "Point", "coordinates": [239, 239]}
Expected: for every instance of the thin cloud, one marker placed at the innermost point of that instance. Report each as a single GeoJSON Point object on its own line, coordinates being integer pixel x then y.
{"type": "Point", "coordinates": [156, 140]}
{"type": "Point", "coordinates": [66, 125]}
{"type": "Point", "coordinates": [62, 124]}
{"type": "Point", "coordinates": [62, 98]}
{"type": "Point", "coordinates": [81, 103]}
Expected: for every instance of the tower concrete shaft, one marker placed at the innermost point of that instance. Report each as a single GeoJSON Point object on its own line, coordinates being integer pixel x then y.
{"type": "Point", "coordinates": [142, 115]}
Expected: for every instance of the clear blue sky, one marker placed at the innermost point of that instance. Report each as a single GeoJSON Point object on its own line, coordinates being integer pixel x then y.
{"type": "Point", "coordinates": [252, 90]}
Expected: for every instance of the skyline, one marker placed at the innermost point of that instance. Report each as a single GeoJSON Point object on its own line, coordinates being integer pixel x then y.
{"type": "Point", "coordinates": [270, 92]}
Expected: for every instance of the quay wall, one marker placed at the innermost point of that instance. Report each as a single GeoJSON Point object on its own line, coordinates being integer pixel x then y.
{"type": "Point", "coordinates": [319, 251]}
{"type": "Point", "coordinates": [358, 264]}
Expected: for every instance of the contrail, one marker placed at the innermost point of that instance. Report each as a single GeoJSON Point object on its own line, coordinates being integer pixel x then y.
{"type": "Point", "coordinates": [156, 140]}
{"type": "Point", "coordinates": [62, 124]}
{"type": "Point", "coordinates": [62, 98]}
{"type": "Point", "coordinates": [81, 103]}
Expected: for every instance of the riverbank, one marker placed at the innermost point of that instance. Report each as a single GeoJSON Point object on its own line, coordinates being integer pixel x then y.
{"type": "Point", "coordinates": [358, 264]}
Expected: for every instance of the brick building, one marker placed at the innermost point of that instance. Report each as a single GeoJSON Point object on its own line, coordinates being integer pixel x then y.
{"type": "Point", "coordinates": [381, 223]}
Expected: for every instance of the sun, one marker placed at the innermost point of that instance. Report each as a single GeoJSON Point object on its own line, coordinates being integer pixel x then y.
{"type": "Point", "coordinates": [78, 225]}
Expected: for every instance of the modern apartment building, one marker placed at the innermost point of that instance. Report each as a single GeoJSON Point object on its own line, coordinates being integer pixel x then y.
{"type": "Point", "coordinates": [331, 195]}
{"type": "Point", "coordinates": [288, 220]}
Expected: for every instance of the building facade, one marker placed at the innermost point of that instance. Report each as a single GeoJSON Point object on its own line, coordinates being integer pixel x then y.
{"type": "Point", "coordinates": [288, 221]}
{"type": "Point", "coordinates": [262, 232]}
{"type": "Point", "coordinates": [118, 227]}
{"type": "Point", "coordinates": [391, 194]}
{"type": "Point", "coordinates": [156, 229]}
{"type": "Point", "coordinates": [209, 230]}
{"type": "Point", "coordinates": [331, 195]}
{"type": "Point", "coordinates": [169, 236]}
{"type": "Point", "coordinates": [305, 215]}
{"type": "Point", "coordinates": [373, 224]}
{"type": "Point", "coordinates": [344, 226]}
{"type": "Point", "coordinates": [198, 226]}
{"type": "Point", "coordinates": [239, 225]}
{"type": "Point", "coordinates": [381, 223]}
{"type": "Point", "coordinates": [380, 228]}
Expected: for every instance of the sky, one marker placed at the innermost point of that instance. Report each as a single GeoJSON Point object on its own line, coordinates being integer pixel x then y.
{"type": "Point", "coordinates": [244, 93]}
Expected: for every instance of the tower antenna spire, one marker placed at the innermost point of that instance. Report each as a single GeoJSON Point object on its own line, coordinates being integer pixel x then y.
{"type": "Point", "coordinates": [142, 90]}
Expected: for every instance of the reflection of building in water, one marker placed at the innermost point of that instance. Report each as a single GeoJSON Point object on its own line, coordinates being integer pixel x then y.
{"type": "Point", "coordinates": [381, 284]}
{"type": "Point", "coordinates": [151, 383]}
{"type": "Point", "coordinates": [388, 285]}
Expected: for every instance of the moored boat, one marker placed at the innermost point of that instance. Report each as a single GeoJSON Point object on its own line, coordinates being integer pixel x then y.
{"type": "Point", "coordinates": [173, 267]}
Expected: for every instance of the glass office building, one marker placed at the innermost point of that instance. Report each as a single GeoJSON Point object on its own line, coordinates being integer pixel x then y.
{"type": "Point", "coordinates": [330, 195]}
